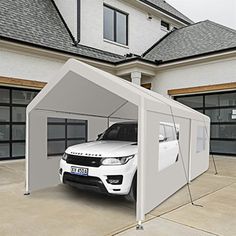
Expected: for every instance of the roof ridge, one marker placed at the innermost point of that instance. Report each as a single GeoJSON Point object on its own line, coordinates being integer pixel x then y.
{"type": "Point", "coordinates": [205, 37]}
{"type": "Point", "coordinates": [212, 22]}
{"type": "Point", "coordinates": [188, 26]}
{"type": "Point", "coordinates": [156, 43]}
{"type": "Point", "coordinates": [184, 19]}
{"type": "Point", "coordinates": [165, 36]}
{"type": "Point", "coordinates": [165, 1]}
{"type": "Point", "coordinates": [222, 26]}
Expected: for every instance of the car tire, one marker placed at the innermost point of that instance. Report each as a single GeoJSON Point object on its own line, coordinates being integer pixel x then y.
{"type": "Point", "coordinates": [132, 195]}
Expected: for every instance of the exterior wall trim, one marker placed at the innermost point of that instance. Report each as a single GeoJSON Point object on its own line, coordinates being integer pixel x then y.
{"type": "Point", "coordinates": [202, 89]}
{"type": "Point", "coordinates": [9, 81]}
{"type": "Point", "coordinates": [231, 52]}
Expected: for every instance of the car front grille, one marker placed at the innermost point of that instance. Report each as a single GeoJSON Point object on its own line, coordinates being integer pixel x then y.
{"type": "Point", "coordinates": [83, 160]}
{"type": "Point", "coordinates": [84, 182]}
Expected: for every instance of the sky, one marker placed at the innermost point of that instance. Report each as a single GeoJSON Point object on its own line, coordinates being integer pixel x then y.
{"type": "Point", "coordinates": [220, 11]}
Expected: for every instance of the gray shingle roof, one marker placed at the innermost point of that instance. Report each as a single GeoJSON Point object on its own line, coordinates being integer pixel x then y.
{"type": "Point", "coordinates": [37, 22]}
{"type": "Point", "coordinates": [165, 7]}
{"type": "Point", "coordinates": [197, 39]}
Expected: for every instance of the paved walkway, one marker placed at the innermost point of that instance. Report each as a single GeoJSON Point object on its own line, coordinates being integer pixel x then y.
{"type": "Point", "coordinates": [217, 216]}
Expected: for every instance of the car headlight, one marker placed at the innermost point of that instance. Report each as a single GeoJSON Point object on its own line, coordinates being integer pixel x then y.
{"type": "Point", "coordinates": [113, 161]}
{"type": "Point", "coordinates": [64, 157]}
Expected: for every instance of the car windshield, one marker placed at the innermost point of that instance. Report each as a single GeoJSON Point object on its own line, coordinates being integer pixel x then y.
{"type": "Point", "coordinates": [121, 132]}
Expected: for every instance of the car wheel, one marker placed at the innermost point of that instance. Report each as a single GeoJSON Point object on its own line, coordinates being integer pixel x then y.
{"type": "Point", "coordinates": [132, 195]}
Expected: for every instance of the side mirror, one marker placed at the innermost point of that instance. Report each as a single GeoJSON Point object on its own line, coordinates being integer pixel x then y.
{"type": "Point", "coordinates": [99, 136]}
{"type": "Point", "coordinates": [161, 138]}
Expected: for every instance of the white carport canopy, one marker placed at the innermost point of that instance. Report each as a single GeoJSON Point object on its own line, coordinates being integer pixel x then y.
{"type": "Point", "coordinates": [80, 91]}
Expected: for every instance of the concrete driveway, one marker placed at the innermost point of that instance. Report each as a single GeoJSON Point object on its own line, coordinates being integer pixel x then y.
{"type": "Point", "coordinates": [62, 210]}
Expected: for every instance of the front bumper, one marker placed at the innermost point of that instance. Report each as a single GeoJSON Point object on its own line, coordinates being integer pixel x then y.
{"type": "Point", "coordinates": [97, 177]}
{"type": "Point", "coordinates": [84, 182]}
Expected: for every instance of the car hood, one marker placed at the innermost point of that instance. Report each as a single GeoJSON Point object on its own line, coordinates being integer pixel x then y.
{"type": "Point", "coordinates": [104, 149]}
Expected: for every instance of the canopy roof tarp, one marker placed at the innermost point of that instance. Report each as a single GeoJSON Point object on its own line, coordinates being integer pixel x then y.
{"type": "Point", "coordinates": [82, 91]}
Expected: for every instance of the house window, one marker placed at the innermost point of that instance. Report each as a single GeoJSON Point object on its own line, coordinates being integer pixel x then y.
{"type": "Point", "coordinates": [165, 25]}
{"type": "Point", "coordinates": [115, 25]}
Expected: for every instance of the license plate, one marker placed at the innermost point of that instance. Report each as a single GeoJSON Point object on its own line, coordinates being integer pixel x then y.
{"type": "Point", "coordinates": [79, 171]}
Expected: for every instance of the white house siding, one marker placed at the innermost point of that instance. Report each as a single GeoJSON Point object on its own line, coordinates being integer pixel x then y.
{"type": "Point", "coordinates": [68, 10]}
{"type": "Point", "coordinates": [17, 64]}
{"type": "Point", "coordinates": [211, 73]}
{"type": "Point", "coordinates": [143, 33]}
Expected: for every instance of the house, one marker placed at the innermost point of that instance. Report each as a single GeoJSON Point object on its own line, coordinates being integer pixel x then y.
{"type": "Point", "coordinates": [147, 42]}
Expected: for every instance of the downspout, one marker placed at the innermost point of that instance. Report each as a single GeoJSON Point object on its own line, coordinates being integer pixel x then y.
{"type": "Point", "coordinates": [78, 21]}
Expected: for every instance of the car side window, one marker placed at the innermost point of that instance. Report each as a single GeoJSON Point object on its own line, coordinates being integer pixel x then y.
{"type": "Point", "coordinates": [162, 131]}
{"type": "Point", "coordinates": [169, 133]}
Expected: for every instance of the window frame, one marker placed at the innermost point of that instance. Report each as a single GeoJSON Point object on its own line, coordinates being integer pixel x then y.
{"type": "Point", "coordinates": [163, 126]}
{"type": "Point", "coordinates": [115, 25]}
{"type": "Point", "coordinates": [10, 142]}
{"type": "Point", "coordinates": [165, 25]}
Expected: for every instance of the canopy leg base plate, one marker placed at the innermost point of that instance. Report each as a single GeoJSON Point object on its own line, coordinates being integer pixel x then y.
{"type": "Point", "coordinates": [139, 226]}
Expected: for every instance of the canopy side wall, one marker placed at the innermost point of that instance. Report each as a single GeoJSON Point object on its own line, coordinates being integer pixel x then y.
{"type": "Point", "coordinates": [41, 170]}
{"type": "Point", "coordinates": [199, 162]}
{"type": "Point", "coordinates": [154, 185]}
{"type": "Point", "coordinates": [161, 184]}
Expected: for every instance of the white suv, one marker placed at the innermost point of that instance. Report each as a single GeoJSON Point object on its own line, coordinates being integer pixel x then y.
{"type": "Point", "coordinates": [109, 164]}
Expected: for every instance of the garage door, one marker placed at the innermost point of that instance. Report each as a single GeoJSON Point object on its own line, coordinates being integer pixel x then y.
{"type": "Point", "coordinates": [61, 132]}
{"type": "Point", "coordinates": [221, 108]}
